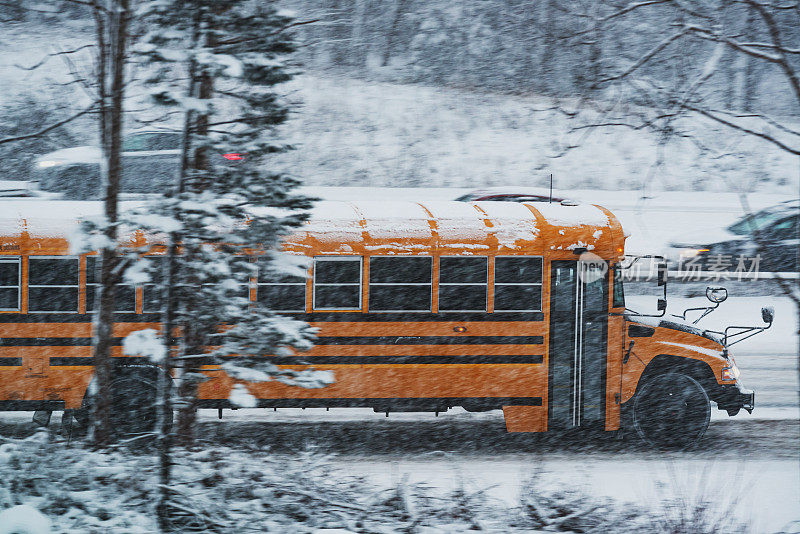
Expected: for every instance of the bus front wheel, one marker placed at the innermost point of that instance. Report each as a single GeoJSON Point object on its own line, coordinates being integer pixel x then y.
{"type": "Point", "coordinates": [671, 410]}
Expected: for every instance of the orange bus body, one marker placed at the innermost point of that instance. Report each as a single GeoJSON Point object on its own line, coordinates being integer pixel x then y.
{"type": "Point", "coordinates": [389, 360]}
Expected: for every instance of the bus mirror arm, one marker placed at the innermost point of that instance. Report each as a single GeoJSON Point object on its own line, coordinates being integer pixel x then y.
{"type": "Point", "coordinates": [767, 314]}
{"type": "Point", "coordinates": [628, 352]}
{"type": "Point", "coordinates": [705, 309]}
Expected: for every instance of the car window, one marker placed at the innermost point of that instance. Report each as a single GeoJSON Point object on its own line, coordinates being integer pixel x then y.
{"type": "Point", "coordinates": [164, 141]}
{"type": "Point", "coordinates": [134, 143]}
{"type": "Point", "coordinates": [151, 141]}
{"type": "Point", "coordinates": [756, 222]}
{"type": "Point", "coordinates": [785, 229]}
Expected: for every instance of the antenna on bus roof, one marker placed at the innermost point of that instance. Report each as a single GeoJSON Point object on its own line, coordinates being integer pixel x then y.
{"type": "Point", "coordinates": [551, 189]}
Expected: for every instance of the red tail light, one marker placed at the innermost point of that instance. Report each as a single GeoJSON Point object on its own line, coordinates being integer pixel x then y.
{"type": "Point", "coordinates": [233, 156]}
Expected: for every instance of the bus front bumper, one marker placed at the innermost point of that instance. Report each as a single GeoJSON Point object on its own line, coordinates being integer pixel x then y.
{"type": "Point", "coordinates": [734, 397]}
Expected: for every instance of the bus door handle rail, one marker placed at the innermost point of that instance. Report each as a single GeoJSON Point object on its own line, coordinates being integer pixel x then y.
{"type": "Point", "coordinates": [628, 352]}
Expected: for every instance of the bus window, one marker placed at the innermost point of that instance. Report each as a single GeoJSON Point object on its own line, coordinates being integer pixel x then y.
{"type": "Point", "coordinates": [9, 284]}
{"type": "Point", "coordinates": [280, 292]}
{"type": "Point", "coordinates": [151, 292]}
{"type": "Point", "coordinates": [125, 294]}
{"type": "Point", "coordinates": [518, 283]}
{"type": "Point", "coordinates": [595, 285]}
{"type": "Point", "coordinates": [337, 283]}
{"type": "Point", "coordinates": [463, 283]}
{"type": "Point", "coordinates": [618, 295]}
{"type": "Point", "coordinates": [400, 283]}
{"type": "Point", "coordinates": [52, 284]}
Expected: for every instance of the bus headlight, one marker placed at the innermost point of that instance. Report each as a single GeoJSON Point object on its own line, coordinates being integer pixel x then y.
{"type": "Point", "coordinates": [730, 372]}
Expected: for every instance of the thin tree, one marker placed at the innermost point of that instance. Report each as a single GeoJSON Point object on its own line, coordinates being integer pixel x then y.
{"type": "Point", "coordinates": [107, 86]}
{"type": "Point", "coordinates": [219, 63]}
{"type": "Point", "coordinates": [112, 19]}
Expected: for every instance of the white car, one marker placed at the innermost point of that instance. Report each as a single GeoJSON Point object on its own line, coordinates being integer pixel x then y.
{"type": "Point", "coordinates": [150, 162]}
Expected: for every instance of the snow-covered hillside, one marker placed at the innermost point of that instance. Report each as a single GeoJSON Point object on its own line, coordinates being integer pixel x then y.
{"type": "Point", "coordinates": [355, 132]}
{"type": "Point", "coordinates": [352, 132]}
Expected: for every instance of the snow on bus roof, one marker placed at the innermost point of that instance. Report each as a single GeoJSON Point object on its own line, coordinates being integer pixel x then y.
{"type": "Point", "coordinates": [393, 219]}
{"type": "Point", "coordinates": [580, 215]}
{"type": "Point", "coordinates": [48, 218]}
{"type": "Point", "coordinates": [457, 223]}
{"type": "Point", "coordinates": [512, 222]}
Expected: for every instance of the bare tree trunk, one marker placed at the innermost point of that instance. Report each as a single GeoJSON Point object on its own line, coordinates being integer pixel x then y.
{"type": "Point", "coordinates": [112, 54]}
{"type": "Point", "coordinates": [392, 33]}
{"type": "Point", "coordinates": [193, 338]}
{"type": "Point", "coordinates": [338, 35]}
{"type": "Point", "coordinates": [170, 307]}
{"type": "Point", "coordinates": [546, 54]}
{"type": "Point", "coordinates": [750, 81]}
{"type": "Point", "coordinates": [360, 46]}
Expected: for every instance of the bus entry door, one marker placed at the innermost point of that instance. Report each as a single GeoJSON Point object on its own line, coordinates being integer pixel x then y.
{"type": "Point", "coordinates": [578, 339]}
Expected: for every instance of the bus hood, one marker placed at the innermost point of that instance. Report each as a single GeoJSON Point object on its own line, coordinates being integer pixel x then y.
{"type": "Point", "coordinates": [675, 324]}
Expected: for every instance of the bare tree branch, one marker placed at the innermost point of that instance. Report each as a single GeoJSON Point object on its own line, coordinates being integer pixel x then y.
{"type": "Point", "coordinates": [50, 127]}
{"type": "Point", "coordinates": [601, 20]}
{"type": "Point", "coordinates": [711, 115]}
{"type": "Point", "coordinates": [271, 34]}
{"type": "Point", "coordinates": [766, 118]}
{"type": "Point", "coordinates": [710, 35]}
{"type": "Point", "coordinates": [775, 35]}
{"type": "Point", "coordinates": [772, 47]}
{"type": "Point", "coordinates": [647, 57]}
{"type": "Point", "coordinates": [53, 54]}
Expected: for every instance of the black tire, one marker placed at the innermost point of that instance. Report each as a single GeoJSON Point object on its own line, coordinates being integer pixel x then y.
{"type": "Point", "coordinates": [133, 408]}
{"type": "Point", "coordinates": [671, 410]}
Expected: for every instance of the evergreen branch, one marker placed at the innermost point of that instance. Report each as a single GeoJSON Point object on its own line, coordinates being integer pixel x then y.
{"type": "Point", "coordinates": [49, 128]}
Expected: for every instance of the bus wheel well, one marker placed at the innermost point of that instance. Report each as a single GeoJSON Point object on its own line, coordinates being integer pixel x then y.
{"type": "Point", "coordinates": [667, 363]}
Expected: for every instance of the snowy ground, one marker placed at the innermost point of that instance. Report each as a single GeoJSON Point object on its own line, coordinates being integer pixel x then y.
{"type": "Point", "coordinates": [751, 463]}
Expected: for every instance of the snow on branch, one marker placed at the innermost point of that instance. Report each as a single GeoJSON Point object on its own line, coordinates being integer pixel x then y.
{"type": "Point", "coordinates": [147, 343]}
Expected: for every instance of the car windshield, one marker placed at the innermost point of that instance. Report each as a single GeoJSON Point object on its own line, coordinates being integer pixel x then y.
{"type": "Point", "coordinates": [151, 141]}
{"type": "Point", "coordinates": [756, 222]}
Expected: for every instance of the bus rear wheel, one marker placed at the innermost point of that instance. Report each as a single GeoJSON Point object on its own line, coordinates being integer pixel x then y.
{"type": "Point", "coordinates": [671, 410]}
{"type": "Point", "coordinates": [133, 408]}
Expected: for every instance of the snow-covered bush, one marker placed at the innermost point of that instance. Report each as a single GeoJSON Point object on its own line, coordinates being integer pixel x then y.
{"type": "Point", "coordinates": [242, 489]}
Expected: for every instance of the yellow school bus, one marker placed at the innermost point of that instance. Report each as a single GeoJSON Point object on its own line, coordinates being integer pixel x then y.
{"type": "Point", "coordinates": [421, 306]}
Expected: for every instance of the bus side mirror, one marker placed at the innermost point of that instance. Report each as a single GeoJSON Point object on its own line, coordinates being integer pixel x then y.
{"type": "Point", "coordinates": [662, 274]}
{"type": "Point", "coordinates": [716, 294]}
{"type": "Point", "coordinates": [768, 314]}
{"type": "Point", "coordinates": [662, 304]}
